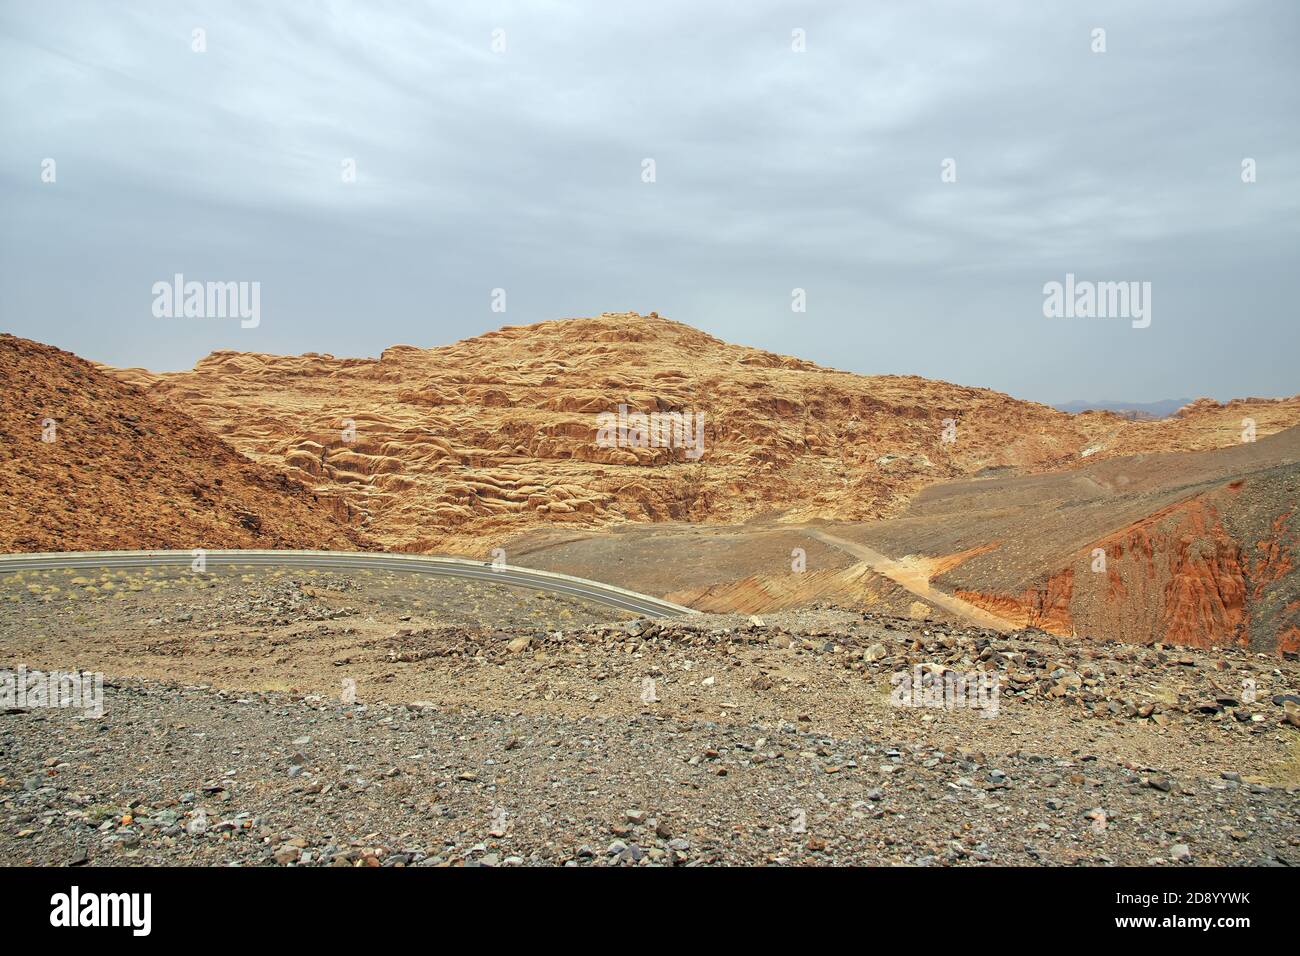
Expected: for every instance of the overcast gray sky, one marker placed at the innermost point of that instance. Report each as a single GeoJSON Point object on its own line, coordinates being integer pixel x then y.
{"type": "Point", "coordinates": [521, 169]}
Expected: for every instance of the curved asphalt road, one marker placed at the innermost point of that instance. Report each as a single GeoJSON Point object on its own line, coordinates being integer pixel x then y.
{"type": "Point", "coordinates": [605, 594]}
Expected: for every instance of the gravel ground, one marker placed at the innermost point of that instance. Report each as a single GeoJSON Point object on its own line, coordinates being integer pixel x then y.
{"type": "Point", "coordinates": [710, 740]}
{"type": "Point", "coordinates": [200, 776]}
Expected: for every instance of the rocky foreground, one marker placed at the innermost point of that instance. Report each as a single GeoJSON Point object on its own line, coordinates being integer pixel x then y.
{"type": "Point", "coordinates": [713, 740]}
{"type": "Point", "coordinates": [197, 776]}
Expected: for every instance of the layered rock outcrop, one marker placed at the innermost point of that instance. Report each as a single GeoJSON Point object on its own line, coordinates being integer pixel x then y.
{"type": "Point", "coordinates": [458, 447]}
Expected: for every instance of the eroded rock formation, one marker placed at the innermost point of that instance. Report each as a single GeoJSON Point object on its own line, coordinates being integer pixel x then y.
{"type": "Point", "coordinates": [455, 448]}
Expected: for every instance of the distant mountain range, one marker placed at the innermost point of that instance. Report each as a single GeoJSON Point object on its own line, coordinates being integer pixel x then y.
{"type": "Point", "coordinates": [1161, 409]}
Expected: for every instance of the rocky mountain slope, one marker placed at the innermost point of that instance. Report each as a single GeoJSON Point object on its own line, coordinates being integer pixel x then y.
{"type": "Point", "coordinates": [458, 447]}
{"type": "Point", "coordinates": [1192, 548]}
{"type": "Point", "coordinates": [88, 462]}
{"type": "Point", "coordinates": [1215, 569]}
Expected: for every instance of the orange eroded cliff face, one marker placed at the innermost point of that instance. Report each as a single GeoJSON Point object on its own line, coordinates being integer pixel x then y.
{"type": "Point", "coordinates": [1205, 600]}
{"type": "Point", "coordinates": [1180, 576]}
{"type": "Point", "coordinates": [459, 447]}
{"type": "Point", "coordinates": [1174, 576]}
{"type": "Point", "coordinates": [1046, 607]}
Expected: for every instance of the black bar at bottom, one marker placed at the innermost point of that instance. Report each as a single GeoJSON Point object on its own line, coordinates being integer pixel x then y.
{"type": "Point", "coordinates": [220, 905]}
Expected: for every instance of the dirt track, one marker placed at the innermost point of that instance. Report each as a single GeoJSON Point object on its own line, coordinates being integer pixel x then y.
{"type": "Point", "coordinates": [917, 580]}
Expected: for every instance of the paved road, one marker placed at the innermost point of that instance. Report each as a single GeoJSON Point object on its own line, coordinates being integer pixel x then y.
{"type": "Point", "coordinates": [605, 594]}
{"type": "Point", "coordinates": [915, 581]}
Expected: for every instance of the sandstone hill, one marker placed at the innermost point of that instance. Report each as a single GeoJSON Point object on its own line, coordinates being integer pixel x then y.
{"type": "Point", "coordinates": [458, 447]}
{"type": "Point", "coordinates": [120, 471]}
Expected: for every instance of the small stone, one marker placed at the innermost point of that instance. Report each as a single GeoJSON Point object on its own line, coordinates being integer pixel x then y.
{"type": "Point", "coordinates": [287, 854]}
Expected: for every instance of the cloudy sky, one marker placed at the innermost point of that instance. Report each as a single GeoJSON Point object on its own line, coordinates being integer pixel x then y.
{"type": "Point", "coordinates": [519, 165]}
